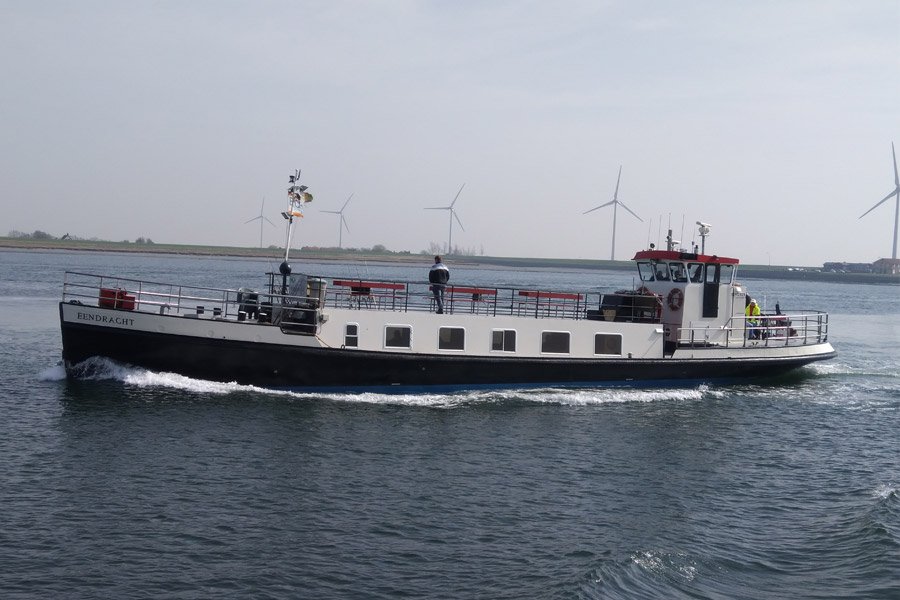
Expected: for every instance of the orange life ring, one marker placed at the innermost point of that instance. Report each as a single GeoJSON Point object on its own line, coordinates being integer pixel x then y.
{"type": "Point", "coordinates": [675, 299]}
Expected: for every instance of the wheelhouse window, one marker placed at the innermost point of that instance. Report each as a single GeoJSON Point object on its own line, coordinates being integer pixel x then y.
{"type": "Point", "coordinates": [677, 271]}
{"type": "Point", "coordinates": [695, 272]}
{"type": "Point", "coordinates": [503, 340]}
{"type": "Point", "coordinates": [660, 270]}
{"type": "Point", "coordinates": [398, 336]}
{"type": "Point", "coordinates": [609, 344]}
{"type": "Point", "coordinates": [727, 273]}
{"type": "Point", "coordinates": [351, 335]}
{"type": "Point", "coordinates": [451, 338]}
{"type": "Point", "coordinates": [645, 270]}
{"type": "Point", "coordinates": [555, 342]}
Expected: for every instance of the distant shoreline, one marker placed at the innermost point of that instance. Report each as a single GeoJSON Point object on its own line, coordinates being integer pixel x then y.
{"type": "Point", "coordinates": [747, 271]}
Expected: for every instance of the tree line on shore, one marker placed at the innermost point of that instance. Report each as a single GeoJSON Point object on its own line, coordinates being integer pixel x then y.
{"type": "Point", "coordinates": [433, 247]}
{"type": "Point", "coordinates": [37, 234]}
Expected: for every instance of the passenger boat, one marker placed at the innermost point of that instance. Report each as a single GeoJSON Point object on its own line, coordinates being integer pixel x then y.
{"type": "Point", "coordinates": [684, 324]}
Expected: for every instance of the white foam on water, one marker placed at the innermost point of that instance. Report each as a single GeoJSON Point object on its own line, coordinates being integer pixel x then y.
{"type": "Point", "coordinates": [829, 368]}
{"type": "Point", "coordinates": [885, 491]}
{"type": "Point", "coordinates": [558, 396]}
{"type": "Point", "coordinates": [591, 396]}
{"type": "Point", "coordinates": [148, 379]}
{"type": "Point", "coordinates": [866, 392]}
{"type": "Point", "coordinates": [102, 369]}
{"type": "Point", "coordinates": [677, 565]}
{"type": "Point", "coordinates": [54, 373]}
{"type": "Point", "coordinates": [99, 369]}
{"type": "Point", "coordinates": [445, 400]}
{"type": "Point", "coordinates": [840, 368]}
{"type": "Point", "coordinates": [713, 393]}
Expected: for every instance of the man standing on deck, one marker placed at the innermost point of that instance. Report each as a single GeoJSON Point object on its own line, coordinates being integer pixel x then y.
{"type": "Point", "coordinates": [752, 314]}
{"type": "Point", "coordinates": [438, 277]}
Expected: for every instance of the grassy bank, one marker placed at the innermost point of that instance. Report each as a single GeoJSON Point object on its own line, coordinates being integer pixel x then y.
{"type": "Point", "coordinates": [746, 271]}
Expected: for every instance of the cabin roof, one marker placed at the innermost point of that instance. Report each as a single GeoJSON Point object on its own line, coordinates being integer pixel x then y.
{"type": "Point", "coordinates": [676, 255]}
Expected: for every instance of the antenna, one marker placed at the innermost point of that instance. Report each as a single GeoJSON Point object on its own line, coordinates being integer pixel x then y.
{"type": "Point", "coordinates": [615, 202]}
{"type": "Point", "coordinates": [452, 216]}
{"type": "Point", "coordinates": [895, 192]}
{"type": "Point", "coordinates": [342, 223]}
{"type": "Point", "coordinates": [261, 218]}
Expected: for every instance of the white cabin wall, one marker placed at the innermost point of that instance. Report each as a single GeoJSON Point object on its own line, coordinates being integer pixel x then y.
{"type": "Point", "coordinates": [641, 340]}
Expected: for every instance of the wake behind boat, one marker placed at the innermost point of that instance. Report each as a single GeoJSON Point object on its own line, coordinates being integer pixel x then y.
{"type": "Point", "coordinates": [687, 322]}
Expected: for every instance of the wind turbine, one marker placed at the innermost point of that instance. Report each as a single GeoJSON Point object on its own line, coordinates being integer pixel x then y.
{"type": "Point", "coordinates": [452, 216]}
{"type": "Point", "coordinates": [342, 223]}
{"type": "Point", "coordinates": [615, 204]}
{"type": "Point", "coordinates": [261, 218]}
{"type": "Point", "coordinates": [895, 192]}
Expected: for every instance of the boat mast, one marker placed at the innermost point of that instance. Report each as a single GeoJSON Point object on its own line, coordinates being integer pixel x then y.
{"type": "Point", "coordinates": [297, 197]}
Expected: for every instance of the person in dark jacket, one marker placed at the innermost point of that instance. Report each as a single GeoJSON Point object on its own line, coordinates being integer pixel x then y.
{"type": "Point", "coordinates": [438, 277]}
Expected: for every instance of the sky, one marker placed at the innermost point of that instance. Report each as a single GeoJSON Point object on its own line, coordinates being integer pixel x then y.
{"type": "Point", "coordinates": [770, 120]}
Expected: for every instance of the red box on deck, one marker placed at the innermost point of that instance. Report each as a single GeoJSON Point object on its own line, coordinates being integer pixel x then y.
{"type": "Point", "coordinates": [116, 298]}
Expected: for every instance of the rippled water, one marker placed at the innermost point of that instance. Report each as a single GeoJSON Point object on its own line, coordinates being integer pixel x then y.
{"type": "Point", "coordinates": [141, 484]}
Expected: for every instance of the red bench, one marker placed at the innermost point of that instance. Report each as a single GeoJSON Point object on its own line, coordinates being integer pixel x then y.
{"type": "Point", "coordinates": [473, 296]}
{"type": "Point", "coordinates": [367, 292]}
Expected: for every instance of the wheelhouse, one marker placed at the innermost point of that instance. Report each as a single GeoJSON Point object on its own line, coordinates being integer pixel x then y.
{"type": "Point", "coordinates": [685, 267]}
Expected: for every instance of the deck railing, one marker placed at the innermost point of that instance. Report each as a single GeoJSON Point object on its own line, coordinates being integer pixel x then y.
{"type": "Point", "coordinates": [796, 328]}
{"type": "Point", "coordinates": [137, 294]}
{"type": "Point", "coordinates": [308, 294]}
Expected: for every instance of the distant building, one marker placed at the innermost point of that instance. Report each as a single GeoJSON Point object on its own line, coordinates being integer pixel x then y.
{"type": "Point", "coordinates": [845, 267]}
{"type": "Point", "coordinates": [882, 266]}
{"type": "Point", "coordinates": [887, 266]}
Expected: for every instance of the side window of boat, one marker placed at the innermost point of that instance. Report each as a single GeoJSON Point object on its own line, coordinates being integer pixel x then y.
{"type": "Point", "coordinates": [606, 343]}
{"type": "Point", "coordinates": [695, 272]}
{"type": "Point", "coordinates": [645, 270]}
{"type": "Point", "coordinates": [712, 273]}
{"type": "Point", "coordinates": [451, 338]}
{"type": "Point", "coordinates": [727, 273]}
{"type": "Point", "coordinates": [398, 336]}
{"type": "Point", "coordinates": [503, 340]}
{"type": "Point", "coordinates": [351, 335]}
{"type": "Point", "coordinates": [662, 272]}
{"type": "Point", "coordinates": [677, 271]}
{"type": "Point", "coordinates": [556, 342]}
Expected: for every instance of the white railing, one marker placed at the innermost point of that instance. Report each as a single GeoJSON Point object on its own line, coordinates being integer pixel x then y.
{"type": "Point", "coordinates": [788, 329]}
{"type": "Point", "coordinates": [135, 294]}
{"type": "Point", "coordinates": [164, 298]}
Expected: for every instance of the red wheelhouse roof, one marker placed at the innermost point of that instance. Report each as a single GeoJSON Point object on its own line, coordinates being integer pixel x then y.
{"type": "Point", "coordinates": [675, 255]}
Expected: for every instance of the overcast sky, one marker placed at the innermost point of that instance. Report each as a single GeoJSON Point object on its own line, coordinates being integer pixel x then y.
{"type": "Point", "coordinates": [771, 120]}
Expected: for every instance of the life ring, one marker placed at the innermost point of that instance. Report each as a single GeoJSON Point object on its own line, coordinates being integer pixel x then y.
{"type": "Point", "coordinates": [675, 299]}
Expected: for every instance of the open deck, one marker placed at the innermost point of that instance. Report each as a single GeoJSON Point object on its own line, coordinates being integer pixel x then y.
{"type": "Point", "coordinates": [312, 293]}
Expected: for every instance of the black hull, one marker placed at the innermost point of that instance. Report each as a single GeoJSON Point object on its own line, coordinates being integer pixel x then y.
{"type": "Point", "coordinates": [279, 366]}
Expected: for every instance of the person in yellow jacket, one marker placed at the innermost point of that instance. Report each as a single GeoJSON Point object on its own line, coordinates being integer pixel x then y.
{"type": "Point", "coordinates": [752, 314]}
